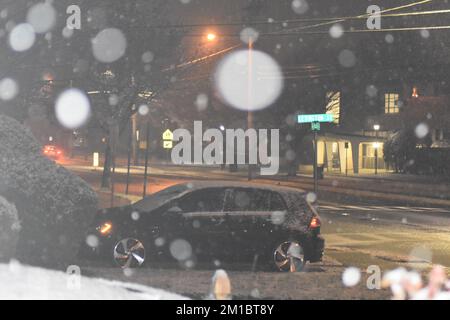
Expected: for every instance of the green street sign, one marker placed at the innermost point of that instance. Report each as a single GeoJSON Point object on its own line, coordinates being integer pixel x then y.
{"type": "Point", "coordinates": [309, 118]}
{"type": "Point", "coordinates": [315, 126]}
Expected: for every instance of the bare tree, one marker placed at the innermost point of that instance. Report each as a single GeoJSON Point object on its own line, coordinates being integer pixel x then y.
{"type": "Point", "coordinates": [118, 88]}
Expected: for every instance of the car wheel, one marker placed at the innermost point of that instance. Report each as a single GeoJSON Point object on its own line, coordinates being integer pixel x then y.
{"type": "Point", "coordinates": [129, 253]}
{"type": "Point", "coordinates": [289, 256]}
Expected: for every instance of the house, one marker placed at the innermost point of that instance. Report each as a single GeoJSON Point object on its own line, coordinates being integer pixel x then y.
{"type": "Point", "coordinates": [356, 145]}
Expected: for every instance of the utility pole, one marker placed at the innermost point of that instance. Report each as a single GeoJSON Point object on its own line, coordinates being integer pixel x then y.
{"type": "Point", "coordinates": [316, 178]}
{"type": "Point", "coordinates": [114, 137]}
{"type": "Point", "coordinates": [134, 142]}
{"type": "Point", "coordinates": [147, 147]}
{"type": "Point", "coordinates": [249, 126]}
{"type": "Point", "coordinates": [112, 180]}
{"type": "Point", "coordinates": [249, 98]}
{"type": "Point", "coordinates": [130, 146]}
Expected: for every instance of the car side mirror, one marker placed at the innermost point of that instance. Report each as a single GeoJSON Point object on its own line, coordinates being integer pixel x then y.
{"type": "Point", "coordinates": [175, 209]}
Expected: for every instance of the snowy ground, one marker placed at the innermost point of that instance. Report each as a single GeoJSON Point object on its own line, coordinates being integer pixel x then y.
{"type": "Point", "coordinates": [320, 281]}
{"type": "Point", "coordinates": [24, 282]}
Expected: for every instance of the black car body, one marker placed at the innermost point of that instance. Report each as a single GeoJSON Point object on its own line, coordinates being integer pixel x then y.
{"type": "Point", "coordinates": [212, 221]}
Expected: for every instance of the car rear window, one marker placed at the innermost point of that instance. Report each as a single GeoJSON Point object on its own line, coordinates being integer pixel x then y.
{"type": "Point", "coordinates": [276, 202]}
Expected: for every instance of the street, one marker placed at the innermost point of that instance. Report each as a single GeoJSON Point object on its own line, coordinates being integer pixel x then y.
{"type": "Point", "coordinates": [359, 235]}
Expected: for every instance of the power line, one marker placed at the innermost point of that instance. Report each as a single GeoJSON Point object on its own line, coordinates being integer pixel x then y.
{"type": "Point", "coordinates": [326, 20]}
{"type": "Point", "coordinates": [303, 20]}
{"type": "Point", "coordinates": [343, 19]}
{"type": "Point", "coordinates": [366, 15]}
{"type": "Point", "coordinates": [371, 30]}
{"type": "Point", "coordinates": [212, 55]}
{"type": "Point", "coordinates": [296, 33]}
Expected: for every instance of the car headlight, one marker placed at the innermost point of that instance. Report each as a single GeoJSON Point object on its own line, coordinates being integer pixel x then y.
{"type": "Point", "coordinates": [105, 228]}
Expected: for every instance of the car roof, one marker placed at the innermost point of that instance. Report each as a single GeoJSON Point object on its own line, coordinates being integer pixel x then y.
{"type": "Point", "coordinates": [198, 185]}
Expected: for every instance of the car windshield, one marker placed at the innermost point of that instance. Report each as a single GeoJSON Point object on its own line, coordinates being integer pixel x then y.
{"type": "Point", "coordinates": [225, 149]}
{"type": "Point", "coordinates": [155, 200]}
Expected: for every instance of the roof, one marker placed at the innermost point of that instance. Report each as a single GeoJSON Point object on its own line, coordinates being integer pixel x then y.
{"type": "Point", "coordinates": [198, 185]}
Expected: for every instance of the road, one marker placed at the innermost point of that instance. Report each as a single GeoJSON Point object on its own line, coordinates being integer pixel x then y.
{"type": "Point", "coordinates": [387, 236]}
{"type": "Point", "coordinates": [392, 190]}
{"type": "Point", "coordinates": [356, 234]}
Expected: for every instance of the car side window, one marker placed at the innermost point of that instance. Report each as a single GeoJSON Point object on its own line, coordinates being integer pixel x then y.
{"type": "Point", "coordinates": [276, 202]}
{"type": "Point", "coordinates": [208, 200]}
{"type": "Point", "coordinates": [249, 200]}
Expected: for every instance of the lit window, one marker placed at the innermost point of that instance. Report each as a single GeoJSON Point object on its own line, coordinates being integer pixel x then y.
{"type": "Point", "coordinates": [334, 105]}
{"type": "Point", "coordinates": [391, 103]}
{"type": "Point", "coordinates": [334, 147]}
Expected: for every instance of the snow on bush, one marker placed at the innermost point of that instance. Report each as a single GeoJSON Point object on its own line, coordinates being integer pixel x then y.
{"type": "Point", "coordinates": [24, 282]}
{"type": "Point", "coordinates": [9, 229]}
{"type": "Point", "coordinates": [54, 207]}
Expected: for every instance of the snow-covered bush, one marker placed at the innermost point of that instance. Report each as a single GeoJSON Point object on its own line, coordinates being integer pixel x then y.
{"type": "Point", "coordinates": [22, 282]}
{"type": "Point", "coordinates": [9, 229]}
{"type": "Point", "coordinates": [54, 206]}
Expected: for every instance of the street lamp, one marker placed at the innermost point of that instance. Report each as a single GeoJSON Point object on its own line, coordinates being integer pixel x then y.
{"type": "Point", "coordinates": [211, 36]}
{"type": "Point", "coordinates": [249, 112]}
{"type": "Point", "coordinates": [376, 145]}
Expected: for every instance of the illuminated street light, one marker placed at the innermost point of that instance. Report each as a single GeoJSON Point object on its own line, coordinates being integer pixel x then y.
{"type": "Point", "coordinates": [376, 127]}
{"type": "Point", "coordinates": [211, 36]}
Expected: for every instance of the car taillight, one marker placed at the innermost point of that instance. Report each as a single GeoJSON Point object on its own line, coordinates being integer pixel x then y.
{"type": "Point", "coordinates": [315, 222]}
{"type": "Point", "coordinates": [105, 228]}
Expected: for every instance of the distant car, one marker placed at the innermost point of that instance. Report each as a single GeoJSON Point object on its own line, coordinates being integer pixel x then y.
{"type": "Point", "coordinates": [52, 152]}
{"type": "Point", "coordinates": [218, 222]}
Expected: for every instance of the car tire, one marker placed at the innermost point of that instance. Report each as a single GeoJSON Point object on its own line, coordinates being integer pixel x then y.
{"type": "Point", "coordinates": [129, 253]}
{"type": "Point", "coordinates": [289, 257]}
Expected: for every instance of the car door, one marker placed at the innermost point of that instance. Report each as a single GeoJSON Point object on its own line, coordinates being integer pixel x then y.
{"type": "Point", "coordinates": [278, 214]}
{"type": "Point", "coordinates": [247, 211]}
{"type": "Point", "coordinates": [160, 228]}
{"type": "Point", "coordinates": [204, 224]}
{"type": "Point", "coordinates": [255, 219]}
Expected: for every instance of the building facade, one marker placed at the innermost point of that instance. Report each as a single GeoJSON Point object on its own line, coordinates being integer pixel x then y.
{"type": "Point", "coordinates": [356, 146]}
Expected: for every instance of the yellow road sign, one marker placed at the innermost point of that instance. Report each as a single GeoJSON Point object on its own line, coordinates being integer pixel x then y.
{"type": "Point", "coordinates": [168, 144]}
{"type": "Point", "coordinates": [167, 135]}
